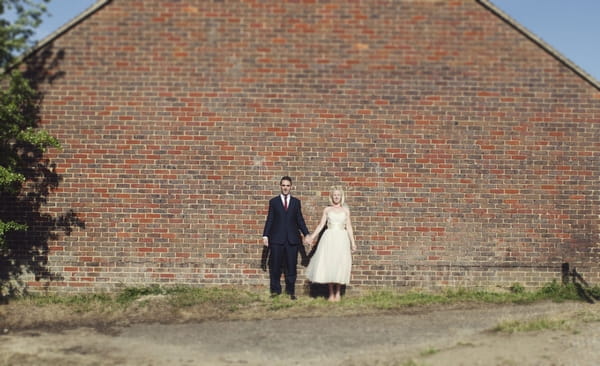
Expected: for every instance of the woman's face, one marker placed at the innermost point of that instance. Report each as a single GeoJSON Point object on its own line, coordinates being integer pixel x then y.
{"type": "Point", "coordinates": [336, 197]}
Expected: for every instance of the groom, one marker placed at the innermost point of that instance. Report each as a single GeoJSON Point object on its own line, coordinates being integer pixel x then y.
{"type": "Point", "coordinates": [282, 236]}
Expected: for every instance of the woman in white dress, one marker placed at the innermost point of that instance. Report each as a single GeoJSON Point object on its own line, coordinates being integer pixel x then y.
{"type": "Point", "coordinates": [332, 260]}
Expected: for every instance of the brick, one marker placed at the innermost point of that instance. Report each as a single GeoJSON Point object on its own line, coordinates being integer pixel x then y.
{"type": "Point", "coordinates": [462, 167]}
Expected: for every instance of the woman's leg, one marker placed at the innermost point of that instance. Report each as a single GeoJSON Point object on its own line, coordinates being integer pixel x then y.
{"type": "Point", "coordinates": [338, 289]}
{"type": "Point", "coordinates": [331, 292]}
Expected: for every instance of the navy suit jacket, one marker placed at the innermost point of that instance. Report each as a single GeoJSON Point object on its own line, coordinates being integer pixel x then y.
{"type": "Point", "coordinates": [284, 226]}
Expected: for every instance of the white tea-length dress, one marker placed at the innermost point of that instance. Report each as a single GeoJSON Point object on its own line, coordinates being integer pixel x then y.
{"type": "Point", "coordinates": [332, 260]}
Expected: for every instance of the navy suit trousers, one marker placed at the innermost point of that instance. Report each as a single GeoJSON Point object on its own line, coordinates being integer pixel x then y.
{"type": "Point", "coordinates": [284, 258]}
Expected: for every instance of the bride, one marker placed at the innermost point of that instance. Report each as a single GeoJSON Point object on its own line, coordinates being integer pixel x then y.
{"type": "Point", "coordinates": [332, 260]}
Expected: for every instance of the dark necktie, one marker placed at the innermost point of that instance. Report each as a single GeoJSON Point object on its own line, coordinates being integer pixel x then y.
{"type": "Point", "coordinates": [285, 202]}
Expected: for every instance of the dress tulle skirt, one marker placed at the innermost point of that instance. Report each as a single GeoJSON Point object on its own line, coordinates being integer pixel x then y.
{"type": "Point", "coordinates": [332, 260]}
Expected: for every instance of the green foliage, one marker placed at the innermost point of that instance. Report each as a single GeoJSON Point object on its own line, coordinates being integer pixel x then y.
{"type": "Point", "coordinates": [16, 103]}
{"type": "Point", "coordinates": [5, 227]}
{"type": "Point", "coordinates": [39, 138]}
{"type": "Point", "coordinates": [595, 292]}
{"type": "Point", "coordinates": [9, 180]}
{"type": "Point", "coordinates": [517, 288]}
{"type": "Point", "coordinates": [559, 292]}
{"type": "Point", "coordinates": [16, 31]}
{"type": "Point", "coordinates": [18, 114]}
{"type": "Point", "coordinates": [21, 143]}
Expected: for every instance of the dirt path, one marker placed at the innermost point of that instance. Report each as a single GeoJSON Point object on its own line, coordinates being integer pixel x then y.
{"type": "Point", "coordinates": [429, 337]}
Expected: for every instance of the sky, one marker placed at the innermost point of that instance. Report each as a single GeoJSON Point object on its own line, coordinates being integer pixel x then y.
{"type": "Point", "coordinates": [568, 26]}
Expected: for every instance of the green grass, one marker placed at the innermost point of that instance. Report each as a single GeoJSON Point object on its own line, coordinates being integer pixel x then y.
{"type": "Point", "coordinates": [429, 351]}
{"type": "Point", "coordinates": [176, 296]}
{"type": "Point", "coordinates": [81, 303]}
{"type": "Point", "coordinates": [565, 322]}
{"type": "Point", "coordinates": [235, 299]}
{"type": "Point", "coordinates": [184, 296]}
{"type": "Point", "coordinates": [80, 300]}
{"type": "Point", "coordinates": [514, 326]}
{"type": "Point", "coordinates": [390, 299]}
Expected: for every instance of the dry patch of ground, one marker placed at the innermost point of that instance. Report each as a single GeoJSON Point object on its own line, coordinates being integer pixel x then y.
{"type": "Point", "coordinates": [154, 333]}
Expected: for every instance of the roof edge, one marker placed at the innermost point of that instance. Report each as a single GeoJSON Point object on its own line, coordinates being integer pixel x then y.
{"type": "Point", "coordinates": [60, 31]}
{"type": "Point", "coordinates": [537, 40]}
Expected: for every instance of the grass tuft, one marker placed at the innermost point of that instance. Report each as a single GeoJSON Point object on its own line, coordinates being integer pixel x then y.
{"type": "Point", "coordinates": [514, 326]}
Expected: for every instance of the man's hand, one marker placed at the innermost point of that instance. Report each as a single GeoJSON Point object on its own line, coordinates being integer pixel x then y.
{"type": "Point", "coordinates": [266, 241]}
{"type": "Point", "coordinates": [308, 240]}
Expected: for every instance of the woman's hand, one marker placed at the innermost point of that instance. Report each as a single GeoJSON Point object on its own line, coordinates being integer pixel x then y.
{"type": "Point", "coordinates": [308, 240]}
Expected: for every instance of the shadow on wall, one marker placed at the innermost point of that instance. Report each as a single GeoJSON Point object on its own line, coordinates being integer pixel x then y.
{"type": "Point", "coordinates": [584, 290]}
{"type": "Point", "coordinates": [26, 252]}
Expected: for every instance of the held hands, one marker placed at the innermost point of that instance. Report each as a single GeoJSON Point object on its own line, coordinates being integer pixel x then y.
{"type": "Point", "coordinates": [308, 240]}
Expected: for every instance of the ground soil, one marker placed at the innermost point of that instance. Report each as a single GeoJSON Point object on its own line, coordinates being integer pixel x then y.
{"type": "Point", "coordinates": [433, 335]}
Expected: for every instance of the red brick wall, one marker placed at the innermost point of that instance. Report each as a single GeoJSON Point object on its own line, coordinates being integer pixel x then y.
{"type": "Point", "coordinates": [470, 154]}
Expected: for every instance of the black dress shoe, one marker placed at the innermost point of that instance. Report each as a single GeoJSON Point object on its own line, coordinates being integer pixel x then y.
{"type": "Point", "coordinates": [274, 294]}
{"type": "Point", "coordinates": [293, 297]}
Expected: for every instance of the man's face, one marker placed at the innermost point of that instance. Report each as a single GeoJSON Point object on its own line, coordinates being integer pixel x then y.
{"type": "Point", "coordinates": [286, 187]}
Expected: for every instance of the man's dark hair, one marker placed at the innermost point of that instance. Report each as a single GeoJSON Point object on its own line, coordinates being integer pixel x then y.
{"type": "Point", "coordinates": [285, 177]}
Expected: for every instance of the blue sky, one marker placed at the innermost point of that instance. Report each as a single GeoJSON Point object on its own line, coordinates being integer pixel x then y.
{"type": "Point", "coordinates": [60, 12]}
{"type": "Point", "coordinates": [569, 26]}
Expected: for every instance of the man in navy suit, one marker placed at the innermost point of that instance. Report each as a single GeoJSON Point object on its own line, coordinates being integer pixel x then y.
{"type": "Point", "coordinates": [282, 236]}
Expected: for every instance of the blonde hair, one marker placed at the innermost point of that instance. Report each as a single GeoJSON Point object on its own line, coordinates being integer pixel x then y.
{"type": "Point", "coordinates": [342, 199]}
